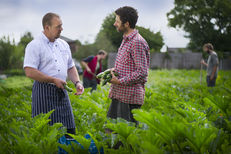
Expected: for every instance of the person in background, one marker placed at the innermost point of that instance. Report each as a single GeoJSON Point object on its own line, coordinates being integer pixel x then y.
{"type": "Point", "coordinates": [93, 66]}
{"type": "Point", "coordinates": [48, 62]}
{"type": "Point", "coordinates": [212, 65]}
{"type": "Point", "coordinates": [132, 64]}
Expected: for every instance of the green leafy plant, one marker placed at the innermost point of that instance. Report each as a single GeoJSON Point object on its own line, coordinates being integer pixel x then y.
{"type": "Point", "coordinates": [179, 115]}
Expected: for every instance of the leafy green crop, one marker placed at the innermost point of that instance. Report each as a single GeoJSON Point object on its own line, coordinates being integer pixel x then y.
{"type": "Point", "coordinates": [179, 115]}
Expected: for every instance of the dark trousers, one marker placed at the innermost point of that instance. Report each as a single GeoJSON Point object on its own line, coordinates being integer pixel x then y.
{"type": "Point", "coordinates": [211, 83]}
{"type": "Point", "coordinates": [122, 110]}
{"type": "Point", "coordinates": [87, 83]}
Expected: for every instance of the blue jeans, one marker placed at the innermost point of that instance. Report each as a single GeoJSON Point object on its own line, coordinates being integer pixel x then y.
{"type": "Point", "coordinates": [211, 83]}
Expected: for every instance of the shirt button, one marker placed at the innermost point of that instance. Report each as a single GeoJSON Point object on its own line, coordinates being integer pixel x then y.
{"type": "Point", "coordinates": [59, 70]}
{"type": "Point", "coordinates": [55, 60]}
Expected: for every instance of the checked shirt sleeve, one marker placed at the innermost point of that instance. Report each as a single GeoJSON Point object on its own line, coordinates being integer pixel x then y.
{"type": "Point", "coordinates": [141, 65]}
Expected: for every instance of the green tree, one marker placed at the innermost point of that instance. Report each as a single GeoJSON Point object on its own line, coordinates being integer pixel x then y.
{"type": "Point", "coordinates": [109, 40]}
{"type": "Point", "coordinates": [25, 39]}
{"type": "Point", "coordinates": [155, 40]}
{"type": "Point", "coordinates": [102, 42]}
{"type": "Point", "coordinates": [18, 56]}
{"type": "Point", "coordinates": [85, 51]}
{"type": "Point", "coordinates": [204, 21]}
{"type": "Point", "coordinates": [11, 55]}
{"type": "Point", "coordinates": [110, 31]}
{"type": "Point", "coordinates": [6, 50]}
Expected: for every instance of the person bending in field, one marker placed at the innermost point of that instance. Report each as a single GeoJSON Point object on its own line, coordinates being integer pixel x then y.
{"type": "Point", "coordinates": [212, 65]}
{"type": "Point", "coordinates": [48, 61]}
{"type": "Point", "coordinates": [93, 66]}
{"type": "Point", "coordinates": [132, 63]}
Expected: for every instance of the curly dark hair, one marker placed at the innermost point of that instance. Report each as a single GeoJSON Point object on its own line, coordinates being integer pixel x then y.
{"type": "Point", "coordinates": [128, 14]}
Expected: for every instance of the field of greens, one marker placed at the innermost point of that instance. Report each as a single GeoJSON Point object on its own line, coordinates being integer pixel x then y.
{"type": "Point", "coordinates": [179, 116]}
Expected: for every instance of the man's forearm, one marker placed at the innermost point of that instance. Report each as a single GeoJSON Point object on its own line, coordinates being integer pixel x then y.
{"type": "Point", "coordinates": [85, 65]}
{"type": "Point", "coordinates": [214, 71]}
{"type": "Point", "coordinates": [73, 75]}
{"type": "Point", "coordinates": [135, 77]}
{"type": "Point", "coordinates": [37, 75]}
{"type": "Point", "coordinates": [205, 64]}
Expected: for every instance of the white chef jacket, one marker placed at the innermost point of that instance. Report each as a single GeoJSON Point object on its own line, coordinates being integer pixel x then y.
{"type": "Point", "coordinates": [51, 58]}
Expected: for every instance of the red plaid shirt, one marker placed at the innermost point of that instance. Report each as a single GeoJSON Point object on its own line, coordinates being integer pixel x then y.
{"type": "Point", "coordinates": [132, 63]}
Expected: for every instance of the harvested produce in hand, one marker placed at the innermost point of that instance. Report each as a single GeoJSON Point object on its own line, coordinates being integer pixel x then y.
{"type": "Point", "coordinates": [68, 88]}
{"type": "Point", "coordinates": [106, 76]}
{"type": "Point", "coordinates": [103, 74]}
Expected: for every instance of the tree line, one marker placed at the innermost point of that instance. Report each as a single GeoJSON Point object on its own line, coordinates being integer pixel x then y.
{"type": "Point", "coordinates": [202, 20]}
{"type": "Point", "coordinates": [11, 54]}
{"type": "Point", "coordinates": [109, 39]}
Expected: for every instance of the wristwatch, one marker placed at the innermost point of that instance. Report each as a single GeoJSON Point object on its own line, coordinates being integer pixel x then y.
{"type": "Point", "coordinates": [76, 83]}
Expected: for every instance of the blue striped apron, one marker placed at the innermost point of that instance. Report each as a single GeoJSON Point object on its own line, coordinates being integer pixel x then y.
{"type": "Point", "coordinates": [46, 97]}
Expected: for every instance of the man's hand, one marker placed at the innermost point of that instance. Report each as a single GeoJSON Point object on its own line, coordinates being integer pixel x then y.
{"type": "Point", "coordinates": [202, 61]}
{"type": "Point", "coordinates": [114, 79]}
{"type": "Point", "coordinates": [79, 89]}
{"type": "Point", "coordinates": [113, 69]}
{"type": "Point", "coordinates": [59, 83]}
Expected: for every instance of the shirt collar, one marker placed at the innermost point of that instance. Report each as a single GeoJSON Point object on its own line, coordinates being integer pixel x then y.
{"type": "Point", "coordinates": [130, 36]}
{"type": "Point", "coordinates": [43, 36]}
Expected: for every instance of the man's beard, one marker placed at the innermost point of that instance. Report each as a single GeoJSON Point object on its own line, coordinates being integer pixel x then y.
{"type": "Point", "coordinates": [121, 29]}
{"type": "Point", "coordinates": [208, 51]}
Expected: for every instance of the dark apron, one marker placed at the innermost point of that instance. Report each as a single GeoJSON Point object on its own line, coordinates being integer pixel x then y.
{"type": "Point", "coordinates": [46, 97]}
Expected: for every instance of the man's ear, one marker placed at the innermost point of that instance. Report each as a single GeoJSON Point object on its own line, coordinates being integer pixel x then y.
{"type": "Point", "coordinates": [127, 24]}
{"type": "Point", "coordinates": [46, 27]}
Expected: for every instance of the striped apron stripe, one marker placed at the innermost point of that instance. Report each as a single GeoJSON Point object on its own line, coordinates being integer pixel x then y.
{"type": "Point", "coordinates": [46, 97]}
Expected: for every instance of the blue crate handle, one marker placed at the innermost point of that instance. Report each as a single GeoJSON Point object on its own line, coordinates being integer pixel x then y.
{"type": "Point", "coordinates": [92, 148]}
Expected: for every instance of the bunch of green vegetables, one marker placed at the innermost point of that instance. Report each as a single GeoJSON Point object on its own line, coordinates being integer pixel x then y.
{"type": "Point", "coordinates": [106, 76]}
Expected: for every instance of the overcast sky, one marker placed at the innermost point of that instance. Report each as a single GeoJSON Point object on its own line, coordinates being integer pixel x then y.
{"type": "Point", "coordinates": [82, 19]}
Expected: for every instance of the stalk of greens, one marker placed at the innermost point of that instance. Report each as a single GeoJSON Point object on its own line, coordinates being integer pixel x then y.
{"type": "Point", "coordinates": [106, 76]}
{"type": "Point", "coordinates": [68, 88]}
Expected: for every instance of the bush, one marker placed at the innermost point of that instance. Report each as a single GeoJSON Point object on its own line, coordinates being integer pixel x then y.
{"type": "Point", "coordinates": [14, 72]}
{"type": "Point", "coordinates": [7, 49]}
{"type": "Point", "coordinates": [11, 55]}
